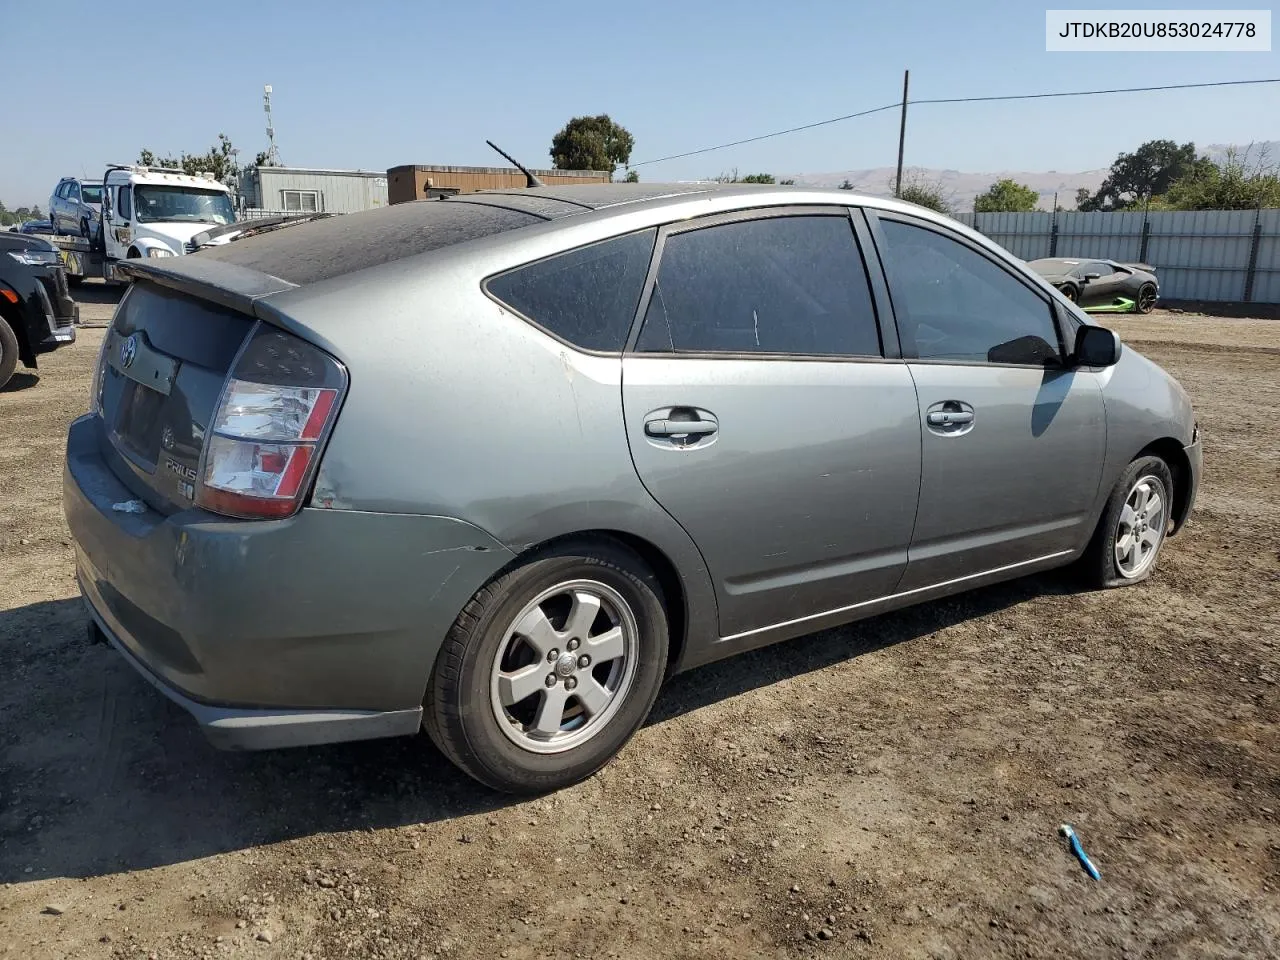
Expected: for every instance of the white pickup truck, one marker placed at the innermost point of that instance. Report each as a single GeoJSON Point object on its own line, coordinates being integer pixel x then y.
{"type": "Point", "coordinates": [147, 212]}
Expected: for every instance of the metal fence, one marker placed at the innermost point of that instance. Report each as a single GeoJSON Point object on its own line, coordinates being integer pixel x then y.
{"type": "Point", "coordinates": [1226, 255]}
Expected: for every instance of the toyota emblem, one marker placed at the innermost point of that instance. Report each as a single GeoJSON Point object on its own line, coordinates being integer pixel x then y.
{"type": "Point", "coordinates": [128, 351]}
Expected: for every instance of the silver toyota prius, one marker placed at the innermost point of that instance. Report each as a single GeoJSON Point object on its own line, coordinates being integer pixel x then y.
{"type": "Point", "coordinates": [496, 465]}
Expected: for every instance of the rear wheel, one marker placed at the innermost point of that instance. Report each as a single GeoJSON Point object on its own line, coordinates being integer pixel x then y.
{"type": "Point", "coordinates": [8, 351]}
{"type": "Point", "coordinates": [1132, 530]}
{"type": "Point", "coordinates": [550, 669]}
{"type": "Point", "coordinates": [1146, 298]}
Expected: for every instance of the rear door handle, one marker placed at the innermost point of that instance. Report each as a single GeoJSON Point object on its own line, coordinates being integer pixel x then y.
{"type": "Point", "coordinates": [946, 418]}
{"type": "Point", "coordinates": [672, 428]}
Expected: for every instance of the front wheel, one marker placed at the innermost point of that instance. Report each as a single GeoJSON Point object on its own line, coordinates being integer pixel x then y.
{"type": "Point", "coordinates": [550, 669]}
{"type": "Point", "coordinates": [1133, 526]}
{"type": "Point", "coordinates": [1070, 292]}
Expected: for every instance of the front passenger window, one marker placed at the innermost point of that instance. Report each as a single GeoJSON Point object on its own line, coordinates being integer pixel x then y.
{"type": "Point", "coordinates": [953, 303]}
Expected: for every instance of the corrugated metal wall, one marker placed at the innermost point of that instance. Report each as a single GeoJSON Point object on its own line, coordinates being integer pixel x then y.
{"type": "Point", "coordinates": [341, 192]}
{"type": "Point", "coordinates": [1198, 254]}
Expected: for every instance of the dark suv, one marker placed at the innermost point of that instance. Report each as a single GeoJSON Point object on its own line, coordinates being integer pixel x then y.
{"type": "Point", "coordinates": [35, 305]}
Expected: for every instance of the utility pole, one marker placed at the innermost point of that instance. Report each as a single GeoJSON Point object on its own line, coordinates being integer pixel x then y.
{"type": "Point", "coordinates": [902, 133]}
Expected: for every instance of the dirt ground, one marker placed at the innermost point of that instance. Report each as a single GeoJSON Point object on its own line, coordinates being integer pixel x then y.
{"type": "Point", "coordinates": [890, 789]}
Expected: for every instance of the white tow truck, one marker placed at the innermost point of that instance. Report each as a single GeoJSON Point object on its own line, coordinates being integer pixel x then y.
{"type": "Point", "coordinates": [147, 212]}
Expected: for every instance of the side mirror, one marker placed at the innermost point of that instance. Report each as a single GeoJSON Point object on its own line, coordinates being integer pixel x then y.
{"type": "Point", "coordinates": [1092, 276]}
{"type": "Point", "coordinates": [1097, 347]}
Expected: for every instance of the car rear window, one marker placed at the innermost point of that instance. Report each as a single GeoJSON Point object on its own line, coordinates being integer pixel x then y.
{"type": "Point", "coordinates": [587, 296]}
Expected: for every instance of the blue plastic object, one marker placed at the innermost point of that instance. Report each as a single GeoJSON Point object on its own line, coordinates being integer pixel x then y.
{"type": "Point", "coordinates": [1089, 868]}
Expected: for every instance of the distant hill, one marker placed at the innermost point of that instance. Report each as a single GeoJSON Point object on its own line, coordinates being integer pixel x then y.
{"type": "Point", "coordinates": [962, 187]}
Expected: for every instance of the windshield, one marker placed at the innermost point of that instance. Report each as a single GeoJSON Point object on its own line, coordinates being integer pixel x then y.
{"type": "Point", "coordinates": [184, 204]}
{"type": "Point", "coordinates": [91, 194]}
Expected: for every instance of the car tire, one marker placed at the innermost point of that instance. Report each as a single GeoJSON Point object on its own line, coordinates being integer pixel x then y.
{"type": "Point", "coordinates": [1070, 292]}
{"type": "Point", "coordinates": [84, 228]}
{"type": "Point", "coordinates": [8, 351]}
{"type": "Point", "coordinates": [1109, 560]}
{"type": "Point", "coordinates": [507, 701]}
{"type": "Point", "coordinates": [1146, 301]}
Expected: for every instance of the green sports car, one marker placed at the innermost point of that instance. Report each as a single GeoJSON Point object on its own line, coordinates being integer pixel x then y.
{"type": "Point", "coordinates": [1102, 286]}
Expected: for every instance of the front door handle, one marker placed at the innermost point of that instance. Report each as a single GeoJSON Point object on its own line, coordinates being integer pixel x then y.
{"type": "Point", "coordinates": [947, 418]}
{"type": "Point", "coordinates": [672, 428]}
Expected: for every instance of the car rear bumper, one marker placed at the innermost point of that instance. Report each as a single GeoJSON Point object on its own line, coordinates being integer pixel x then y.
{"type": "Point", "coordinates": [321, 627]}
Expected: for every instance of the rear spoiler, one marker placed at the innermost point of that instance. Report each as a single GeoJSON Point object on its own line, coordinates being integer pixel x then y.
{"type": "Point", "coordinates": [1144, 267]}
{"type": "Point", "coordinates": [228, 284]}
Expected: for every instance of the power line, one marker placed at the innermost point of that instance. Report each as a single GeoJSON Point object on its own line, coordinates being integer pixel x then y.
{"type": "Point", "coordinates": [898, 104]}
{"type": "Point", "coordinates": [766, 136]}
{"type": "Point", "coordinates": [1092, 93]}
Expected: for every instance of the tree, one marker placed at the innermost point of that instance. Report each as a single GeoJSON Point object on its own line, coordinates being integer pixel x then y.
{"type": "Point", "coordinates": [1238, 183]}
{"type": "Point", "coordinates": [925, 192]}
{"type": "Point", "coordinates": [263, 159]}
{"type": "Point", "coordinates": [787, 183]}
{"type": "Point", "coordinates": [219, 160]}
{"type": "Point", "coordinates": [633, 176]}
{"type": "Point", "coordinates": [846, 185]}
{"type": "Point", "coordinates": [1147, 172]}
{"type": "Point", "coordinates": [1083, 198]}
{"type": "Point", "coordinates": [1006, 196]}
{"type": "Point", "coordinates": [591, 143]}
{"type": "Point", "coordinates": [749, 178]}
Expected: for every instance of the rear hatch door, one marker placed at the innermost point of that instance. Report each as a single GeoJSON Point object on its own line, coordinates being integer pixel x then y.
{"type": "Point", "coordinates": [165, 360]}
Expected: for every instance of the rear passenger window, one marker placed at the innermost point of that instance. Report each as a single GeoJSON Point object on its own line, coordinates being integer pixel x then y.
{"type": "Point", "coordinates": [586, 296]}
{"type": "Point", "coordinates": [788, 285]}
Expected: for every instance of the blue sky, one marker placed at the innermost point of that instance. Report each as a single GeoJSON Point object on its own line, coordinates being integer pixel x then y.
{"type": "Point", "coordinates": [372, 85]}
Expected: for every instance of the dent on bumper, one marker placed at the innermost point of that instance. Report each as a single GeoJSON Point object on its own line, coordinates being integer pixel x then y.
{"type": "Point", "coordinates": [263, 622]}
{"type": "Point", "coordinates": [231, 728]}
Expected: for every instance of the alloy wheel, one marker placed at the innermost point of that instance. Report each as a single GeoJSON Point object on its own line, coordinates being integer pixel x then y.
{"type": "Point", "coordinates": [1141, 527]}
{"type": "Point", "coordinates": [564, 666]}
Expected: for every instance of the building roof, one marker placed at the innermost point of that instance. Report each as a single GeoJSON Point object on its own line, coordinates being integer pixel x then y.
{"type": "Point", "coordinates": [378, 174]}
{"type": "Point", "coordinates": [493, 171]}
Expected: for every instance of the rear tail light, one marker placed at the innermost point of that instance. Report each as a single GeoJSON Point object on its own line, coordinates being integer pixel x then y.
{"type": "Point", "coordinates": [276, 411]}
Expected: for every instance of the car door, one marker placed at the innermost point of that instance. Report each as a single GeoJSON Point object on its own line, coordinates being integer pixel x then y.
{"type": "Point", "coordinates": [71, 208]}
{"type": "Point", "coordinates": [766, 413]}
{"type": "Point", "coordinates": [117, 233]}
{"type": "Point", "coordinates": [57, 205]}
{"type": "Point", "coordinates": [1105, 285]}
{"type": "Point", "coordinates": [1012, 436]}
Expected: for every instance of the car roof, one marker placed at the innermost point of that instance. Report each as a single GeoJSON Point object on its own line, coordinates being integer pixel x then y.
{"type": "Point", "coordinates": [321, 249]}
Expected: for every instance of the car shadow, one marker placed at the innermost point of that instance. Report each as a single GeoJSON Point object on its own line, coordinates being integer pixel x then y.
{"type": "Point", "coordinates": [20, 381]}
{"type": "Point", "coordinates": [90, 291]}
{"type": "Point", "coordinates": [103, 775]}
